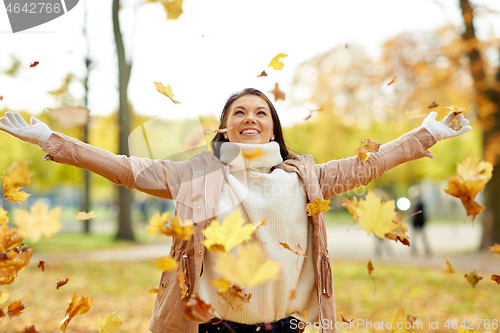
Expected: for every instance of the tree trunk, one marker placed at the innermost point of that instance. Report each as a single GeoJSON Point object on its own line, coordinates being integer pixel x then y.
{"type": "Point", "coordinates": [124, 196]}
{"type": "Point", "coordinates": [488, 106]}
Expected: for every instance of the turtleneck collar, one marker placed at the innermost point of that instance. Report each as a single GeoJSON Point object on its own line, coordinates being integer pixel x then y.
{"type": "Point", "coordinates": [233, 154]}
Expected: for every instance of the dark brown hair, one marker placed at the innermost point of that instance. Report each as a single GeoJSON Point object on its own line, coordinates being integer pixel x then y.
{"type": "Point", "coordinates": [278, 131]}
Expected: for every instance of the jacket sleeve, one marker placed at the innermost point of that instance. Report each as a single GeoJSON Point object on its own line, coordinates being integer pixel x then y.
{"type": "Point", "coordinates": [338, 176]}
{"type": "Point", "coordinates": [156, 177]}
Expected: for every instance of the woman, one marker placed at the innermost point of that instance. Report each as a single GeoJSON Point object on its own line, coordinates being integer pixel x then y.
{"type": "Point", "coordinates": [275, 185]}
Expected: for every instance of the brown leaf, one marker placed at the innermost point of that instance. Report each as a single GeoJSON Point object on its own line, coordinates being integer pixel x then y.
{"type": "Point", "coordinates": [262, 74]}
{"type": "Point", "coordinates": [448, 267]}
{"type": "Point", "coordinates": [78, 305]}
{"type": "Point", "coordinates": [370, 267]}
{"type": "Point", "coordinates": [1, 98]}
{"type": "Point", "coordinates": [496, 278]}
{"type": "Point", "coordinates": [2, 314]}
{"type": "Point", "coordinates": [345, 320]}
{"type": "Point", "coordinates": [197, 310]}
{"type": "Point", "coordinates": [495, 248]}
{"type": "Point", "coordinates": [234, 296]}
{"type": "Point", "coordinates": [30, 329]}
{"type": "Point", "coordinates": [60, 283]}
{"type": "Point", "coordinates": [278, 94]}
{"type": "Point", "coordinates": [34, 64]}
{"type": "Point", "coordinates": [15, 308]}
{"type": "Point", "coordinates": [400, 233]}
{"type": "Point", "coordinates": [473, 278]}
{"type": "Point", "coordinates": [393, 80]}
{"type": "Point", "coordinates": [182, 284]}
{"type": "Point", "coordinates": [41, 265]}
{"type": "Point", "coordinates": [369, 147]}
{"type": "Point", "coordinates": [433, 105]}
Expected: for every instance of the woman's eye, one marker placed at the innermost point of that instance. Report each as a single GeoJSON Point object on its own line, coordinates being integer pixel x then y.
{"type": "Point", "coordinates": [262, 113]}
{"type": "Point", "coordinates": [239, 111]}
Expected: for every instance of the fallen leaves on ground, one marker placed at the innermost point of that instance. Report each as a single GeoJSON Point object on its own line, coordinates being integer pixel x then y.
{"type": "Point", "coordinates": [197, 310]}
{"type": "Point", "coordinates": [60, 283]}
{"type": "Point", "coordinates": [278, 94]}
{"type": "Point", "coordinates": [317, 206]}
{"type": "Point", "coordinates": [297, 249]}
{"type": "Point", "coordinates": [108, 324]}
{"type": "Point", "coordinates": [473, 278]}
{"type": "Point", "coordinates": [166, 264]}
{"type": "Point", "coordinates": [79, 305]}
{"type": "Point", "coordinates": [15, 308]}
{"type": "Point", "coordinates": [470, 179]}
{"type": "Point", "coordinates": [38, 222]}
{"type": "Point", "coordinates": [448, 267]}
{"type": "Point", "coordinates": [83, 216]}
{"type": "Point", "coordinates": [225, 236]}
{"type": "Point", "coordinates": [369, 147]}
{"type": "Point", "coordinates": [234, 296]}
{"type": "Point", "coordinates": [251, 268]}
{"type": "Point", "coordinates": [276, 62]}
{"type": "Point", "coordinates": [167, 91]}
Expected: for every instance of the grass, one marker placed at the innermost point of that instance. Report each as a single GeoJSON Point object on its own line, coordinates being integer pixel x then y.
{"type": "Point", "coordinates": [427, 294]}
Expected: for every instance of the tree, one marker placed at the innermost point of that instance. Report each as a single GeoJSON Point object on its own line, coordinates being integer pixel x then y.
{"type": "Point", "coordinates": [486, 84]}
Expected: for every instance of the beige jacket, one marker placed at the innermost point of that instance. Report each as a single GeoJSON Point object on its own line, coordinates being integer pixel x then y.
{"type": "Point", "coordinates": [196, 186]}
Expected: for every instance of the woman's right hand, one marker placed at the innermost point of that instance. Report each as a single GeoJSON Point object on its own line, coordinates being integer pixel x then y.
{"type": "Point", "coordinates": [37, 133]}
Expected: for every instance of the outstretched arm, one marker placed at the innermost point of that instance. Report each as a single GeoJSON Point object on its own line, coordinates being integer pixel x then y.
{"type": "Point", "coordinates": [155, 177]}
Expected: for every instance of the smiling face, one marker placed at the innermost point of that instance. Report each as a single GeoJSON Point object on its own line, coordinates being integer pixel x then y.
{"type": "Point", "coordinates": [250, 120]}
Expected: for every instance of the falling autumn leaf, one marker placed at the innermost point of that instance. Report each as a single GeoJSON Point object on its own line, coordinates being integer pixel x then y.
{"type": "Point", "coordinates": [181, 279]}
{"type": "Point", "coordinates": [155, 290]}
{"type": "Point", "coordinates": [166, 264]}
{"type": "Point", "coordinates": [41, 265]}
{"type": "Point", "coordinates": [4, 218]}
{"type": "Point", "coordinates": [157, 224]}
{"type": "Point", "coordinates": [352, 206]}
{"type": "Point", "coordinates": [82, 216]}
{"type": "Point", "coordinates": [197, 310]}
{"type": "Point", "coordinates": [79, 305]}
{"type": "Point", "coordinates": [234, 296]}
{"type": "Point", "coordinates": [222, 283]}
{"type": "Point", "coordinates": [30, 329]}
{"type": "Point", "coordinates": [225, 236]}
{"type": "Point", "coordinates": [393, 80]}
{"type": "Point", "coordinates": [318, 206]}
{"type": "Point", "coordinates": [470, 179]}
{"type": "Point", "coordinates": [369, 147]}
{"type": "Point", "coordinates": [433, 105]}
{"type": "Point", "coordinates": [376, 216]}
{"type": "Point", "coordinates": [15, 308]}
{"type": "Point", "coordinates": [400, 234]}
{"type": "Point", "coordinates": [18, 177]}
{"type": "Point", "coordinates": [496, 278]}
{"type": "Point", "coordinates": [251, 268]}
{"type": "Point", "coordinates": [346, 320]}
{"type": "Point", "coordinates": [34, 64]}
{"type": "Point", "coordinates": [297, 249]}
{"type": "Point", "coordinates": [495, 248]}
{"type": "Point", "coordinates": [1, 98]}
{"type": "Point", "coordinates": [398, 319]}
{"type": "Point", "coordinates": [60, 283]}
{"type": "Point", "coordinates": [109, 324]}
{"type": "Point", "coordinates": [262, 74]}
{"type": "Point", "coordinates": [15, 256]}
{"type": "Point", "coordinates": [276, 62]}
{"type": "Point", "coordinates": [167, 91]}
{"type": "Point", "coordinates": [257, 152]}
{"type": "Point", "coordinates": [311, 113]}
{"type": "Point", "coordinates": [38, 222]}
{"type": "Point", "coordinates": [370, 267]}
{"type": "Point", "coordinates": [448, 267]}
{"type": "Point", "coordinates": [278, 94]}
{"type": "Point", "coordinates": [173, 8]}
{"type": "Point", "coordinates": [473, 278]}
{"type": "Point", "coordinates": [2, 315]}
{"type": "Point", "coordinates": [455, 109]}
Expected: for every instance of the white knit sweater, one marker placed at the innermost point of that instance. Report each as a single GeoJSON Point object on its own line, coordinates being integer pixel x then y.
{"type": "Point", "coordinates": [280, 197]}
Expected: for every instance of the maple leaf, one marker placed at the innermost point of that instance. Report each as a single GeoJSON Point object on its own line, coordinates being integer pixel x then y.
{"type": "Point", "coordinates": [396, 318]}
{"type": "Point", "coordinates": [400, 233]}
{"type": "Point", "coordinates": [15, 308]}
{"type": "Point", "coordinates": [83, 216]}
{"type": "Point", "coordinates": [60, 283]}
{"type": "Point", "coordinates": [393, 80]}
{"type": "Point", "coordinates": [181, 279]}
{"type": "Point", "coordinates": [12, 194]}
{"type": "Point", "coordinates": [167, 91]}
{"type": "Point", "coordinates": [370, 267]}
{"type": "Point", "coordinates": [41, 265]}
{"type": "Point", "coordinates": [455, 109]}
{"type": "Point", "coordinates": [369, 147]}
{"type": "Point", "coordinates": [158, 222]}
{"type": "Point", "coordinates": [352, 206]}
{"type": "Point", "coordinates": [109, 324]}
{"type": "Point", "coordinates": [317, 206]}
{"type": "Point", "coordinates": [225, 236]}
{"type": "Point", "coordinates": [433, 105]}
{"type": "Point", "coordinates": [222, 283]}
{"type": "Point", "coordinates": [39, 222]}
{"type": "Point", "coordinates": [473, 278]}
{"type": "Point", "coordinates": [495, 248]}
{"type": "Point", "coordinates": [276, 63]}
{"type": "Point", "coordinates": [30, 329]}
{"type": "Point", "coordinates": [496, 278]}
{"type": "Point", "coordinates": [4, 218]}
{"type": "Point", "coordinates": [470, 179]}
{"type": "Point", "coordinates": [376, 216]}
{"type": "Point", "coordinates": [15, 256]}
{"type": "Point", "coordinates": [166, 264]}
{"type": "Point", "coordinates": [197, 310]}
{"type": "Point", "coordinates": [262, 74]}
{"type": "Point", "coordinates": [278, 94]}
{"type": "Point", "coordinates": [234, 296]}
{"type": "Point", "coordinates": [8, 238]}
{"type": "Point", "coordinates": [250, 269]}
{"type": "Point", "coordinates": [448, 267]}
{"type": "Point", "coordinates": [79, 305]}
{"type": "Point", "coordinates": [297, 249]}
{"type": "Point", "coordinates": [18, 177]}
{"type": "Point", "coordinates": [257, 152]}
{"type": "Point", "coordinates": [34, 64]}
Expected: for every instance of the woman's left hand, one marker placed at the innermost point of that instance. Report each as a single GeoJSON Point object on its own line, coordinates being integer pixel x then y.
{"type": "Point", "coordinates": [443, 129]}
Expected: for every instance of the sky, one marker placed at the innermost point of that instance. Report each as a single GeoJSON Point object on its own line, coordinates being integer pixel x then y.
{"type": "Point", "coordinates": [214, 49]}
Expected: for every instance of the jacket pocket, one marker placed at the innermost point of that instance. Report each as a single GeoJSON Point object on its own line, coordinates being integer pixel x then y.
{"type": "Point", "coordinates": [326, 276]}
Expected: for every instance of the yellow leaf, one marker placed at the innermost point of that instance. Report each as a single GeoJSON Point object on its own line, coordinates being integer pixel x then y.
{"type": "Point", "coordinates": [3, 296]}
{"type": "Point", "coordinates": [473, 278]}
{"type": "Point", "coordinates": [251, 268]}
{"type": "Point", "coordinates": [375, 216]}
{"type": "Point", "coordinates": [455, 109]}
{"type": "Point", "coordinates": [166, 264]}
{"type": "Point", "coordinates": [157, 222]}
{"type": "Point", "coordinates": [396, 318]}
{"type": "Point", "coordinates": [39, 222]}
{"type": "Point", "coordinates": [155, 290]}
{"type": "Point", "coordinates": [8, 238]}
{"type": "Point", "coordinates": [226, 236]}
{"type": "Point", "coordinates": [173, 8]}
{"type": "Point", "coordinates": [181, 279]}
{"type": "Point", "coordinates": [18, 175]}
{"type": "Point", "coordinates": [352, 206]}
{"type": "Point", "coordinates": [109, 324]}
{"type": "Point", "coordinates": [448, 267]}
{"type": "Point", "coordinates": [222, 283]}
{"type": "Point", "coordinates": [234, 297]}
{"type": "Point", "coordinates": [82, 216]}
{"type": "Point", "coordinates": [276, 63]}
{"type": "Point", "coordinates": [177, 230]}
{"type": "Point", "coordinates": [257, 152]}
{"type": "Point", "coordinates": [4, 218]}
{"type": "Point", "coordinates": [297, 249]}
{"type": "Point", "coordinates": [167, 91]}
{"type": "Point", "coordinates": [12, 193]}
{"type": "Point", "coordinates": [400, 233]}
{"type": "Point", "coordinates": [318, 206]}
{"type": "Point", "coordinates": [78, 305]}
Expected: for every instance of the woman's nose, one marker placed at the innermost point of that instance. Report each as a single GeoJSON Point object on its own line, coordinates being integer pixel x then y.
{"type": "Point", "coordinates": [249, 119]}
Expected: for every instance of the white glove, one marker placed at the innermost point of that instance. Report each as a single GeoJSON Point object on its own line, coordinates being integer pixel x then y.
{"type": "Point", "coordinates": [443, 129]}
{"type": "Point", "coordinates": [38, 133]}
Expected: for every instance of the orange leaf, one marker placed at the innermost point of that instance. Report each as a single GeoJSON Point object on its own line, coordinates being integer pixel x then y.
{"type": "Point", "coordinates": [78, 305]}
{"type": "Point", "coordinates": [197, 310]}
{"type": "Point", "coordinates": [60, 283]}
{"type": "Point", "coordinates": [182, 284]}
{"type": "Point", "coordinates": [297, 249]}
{"type": "Point", "coordinates": [496, 278]}
{"type": "Point", "coordinates": [30, 329]}
{"type": "Point", "coordinates": [346, 320]}
{"type": "Point", "coordinates": [448, 267]}
{"type": "Point", "coordinates": [262, 74]}
{"type": "Point", "coordinates": [15, 308]}
{"type": "Point", "coordinates": [41, 265]}
{"type": "Point", "coordinates": [369, 147]}
{"type": "Point", "coordinates": [278, 94]}
{"type": "Point", "coordinates": [317, 206]}
{"type": "Point", "coordinates": [370, 267]}
{"type": "Point", "coordinates": [34, 64]}
{"type": "Point", "coordinates": [400, 233]}
{"type": "Point", "coordinates": [473, 278]}
{"type": "Point", "coordinates": [393, 80]}
{"type": "Point", "coordinates": [495, 248]}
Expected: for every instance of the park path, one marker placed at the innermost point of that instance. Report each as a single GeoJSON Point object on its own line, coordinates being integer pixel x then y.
{"type": "Point", "coordinates": [457, 242]}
